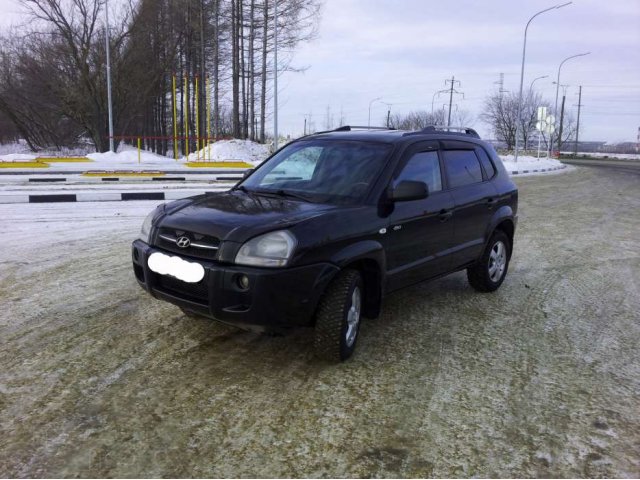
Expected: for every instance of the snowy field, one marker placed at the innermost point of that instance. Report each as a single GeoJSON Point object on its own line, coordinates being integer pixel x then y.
{"type": "Point", "coordinates": [539, 379]}
{"type": "Point", "coordinates": [127, 158]}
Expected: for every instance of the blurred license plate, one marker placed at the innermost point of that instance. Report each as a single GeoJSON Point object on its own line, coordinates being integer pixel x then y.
{"type": "Point", "coordinates": [176, 267]}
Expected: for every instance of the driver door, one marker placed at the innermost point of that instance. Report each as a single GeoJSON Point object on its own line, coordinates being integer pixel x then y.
{"type": "Point", "coordinates": [420, 232]}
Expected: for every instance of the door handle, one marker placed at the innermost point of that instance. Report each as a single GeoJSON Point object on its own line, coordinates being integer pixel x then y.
{"type": "Point", "coordinates": [491, 202]}
{"type": "Point", "coordinates": [445, 215]}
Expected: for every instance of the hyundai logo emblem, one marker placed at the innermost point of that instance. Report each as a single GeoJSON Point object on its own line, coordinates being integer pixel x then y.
{"type": "Point", "coordinates": [183, 242]}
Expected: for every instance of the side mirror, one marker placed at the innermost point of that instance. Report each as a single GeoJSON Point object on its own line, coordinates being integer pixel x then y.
{"type": "Point", "coordinates": [408, 190]}
{"type": "Point", "coordinates": [247, 173]}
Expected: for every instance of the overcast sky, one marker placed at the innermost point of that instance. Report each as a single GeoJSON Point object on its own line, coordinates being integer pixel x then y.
{"type": "Point", "coordinates": [403, 50]}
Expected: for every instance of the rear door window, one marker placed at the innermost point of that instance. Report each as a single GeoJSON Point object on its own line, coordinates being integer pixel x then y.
{"type": "Point", "coordinates": [463, 167]}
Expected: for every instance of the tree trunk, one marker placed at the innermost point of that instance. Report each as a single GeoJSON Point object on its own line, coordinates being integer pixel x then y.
{"type": "Point", "coordinates": [251, 76]}
{"type": "Point", "coordinates": [263, 79]}
{"type": "Point", "coordinates": [235, 73]}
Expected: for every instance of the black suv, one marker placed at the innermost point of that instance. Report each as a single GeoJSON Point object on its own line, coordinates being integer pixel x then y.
{"type": "Point", "coordinates": [322, 230]}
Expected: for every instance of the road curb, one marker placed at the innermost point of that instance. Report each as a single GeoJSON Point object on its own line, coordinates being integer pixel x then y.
{"type": "Point", "coordinates": [540, 170]}
{"type": "Point", "coordinates": [98, 196]}
{"type": "Point", "coordinates": [195, 171]}
{"type": "Point", "coordinates": [128, 179]}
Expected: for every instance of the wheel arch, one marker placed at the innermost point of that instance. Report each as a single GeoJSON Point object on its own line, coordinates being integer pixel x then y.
{"type": "Point", "coordinates": [368, 258]}
{"type": "Point", "coordinates": [502, 220]}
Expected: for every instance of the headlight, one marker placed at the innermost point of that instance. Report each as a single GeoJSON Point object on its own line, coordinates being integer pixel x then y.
{"type": "Point", "coordinates": [145, 231]}
{"type": "Point", "coordinates": [272, 249]}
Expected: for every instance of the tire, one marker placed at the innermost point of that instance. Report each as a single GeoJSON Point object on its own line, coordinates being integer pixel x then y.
{"type": "Point", "coordinates": [491, 269]}
{"type": "Point", "coordinates": [338, 317]}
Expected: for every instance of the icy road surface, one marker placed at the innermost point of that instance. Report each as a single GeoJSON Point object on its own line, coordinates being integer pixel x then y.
{"type": "Point", "coordinates": [540, 379]}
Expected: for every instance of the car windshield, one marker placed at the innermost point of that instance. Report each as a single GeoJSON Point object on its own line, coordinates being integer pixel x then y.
{"type": "Point", "coordinates": [326, 171]}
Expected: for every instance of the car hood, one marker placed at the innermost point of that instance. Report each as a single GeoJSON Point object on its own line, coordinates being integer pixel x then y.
{"type": "Point", "coordinates": [237, 216]}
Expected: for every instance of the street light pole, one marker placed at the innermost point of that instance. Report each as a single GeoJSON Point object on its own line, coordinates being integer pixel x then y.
{"type": "Point", "coordinates": [107, 52]}
{"type": "Point", "coordinates": [534, 81]}
{"type": "Point", "coordinates": [389, 105]}
{"type": "Point", "coordinates": [524, 50]}
{"type": "Point", "coordinates": [555, 108]}
{"type": "Point", "coordinates": [370, 103]}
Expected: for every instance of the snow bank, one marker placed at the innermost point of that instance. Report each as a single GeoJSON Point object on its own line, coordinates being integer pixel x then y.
{"type": "Point", "coordinates": [17, 157]}
{"type": "Point", "coordinates": [129, 158]}
{"type": "Point", "coordinates": [233, 150]}
{"type": "Point", "coordinates": [223, 150]}
{"type": "Point", "coordinates": [529, 163]}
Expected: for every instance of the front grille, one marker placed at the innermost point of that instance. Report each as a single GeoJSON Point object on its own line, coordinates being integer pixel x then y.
{"type": "Point", "coordinates": [201, 246]}
{"type": "Point", "coordinates": [195, 292]}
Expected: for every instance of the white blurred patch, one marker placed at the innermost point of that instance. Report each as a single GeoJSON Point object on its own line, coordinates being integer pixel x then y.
{"type": "Point", "coordinates": [176, 267]}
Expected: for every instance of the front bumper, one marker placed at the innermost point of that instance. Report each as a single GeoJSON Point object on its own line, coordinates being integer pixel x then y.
{"type": "Point", "coordinates": [275, 297]}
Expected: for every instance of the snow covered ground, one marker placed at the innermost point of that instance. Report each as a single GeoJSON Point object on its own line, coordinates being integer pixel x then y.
{"type": "Point", "coordinates": [530, 165]}
{"type": "Point", "coordinates": [127, 158]}
{"type": "Point", "coordinates": [233, 150]}
{"type": "Point", "coordinates": [539, 379]}
{"type": "Point", "coordinates": [17, 157]}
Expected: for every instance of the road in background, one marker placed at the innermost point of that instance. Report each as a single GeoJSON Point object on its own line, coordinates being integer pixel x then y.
{"type": "Point", "coordinates": [539, 379]}
{"type": "Point", "coordinates": [629, 166]}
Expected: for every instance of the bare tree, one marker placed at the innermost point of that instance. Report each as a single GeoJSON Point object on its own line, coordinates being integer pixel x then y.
{"type": "Point", "coordinates": [501, 114]}
{"type": "Point", "coordinates": [415, 120]}
{"type": "Point", "coordinates": [52, 77]}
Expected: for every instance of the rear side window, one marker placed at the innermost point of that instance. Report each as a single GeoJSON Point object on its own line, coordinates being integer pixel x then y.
{"type": "Point", "coordinates": [423, 167]}
{"type": "Point", "coordinates": [488, 166]}
{"type": "Point", "coordinates": [463, 167]}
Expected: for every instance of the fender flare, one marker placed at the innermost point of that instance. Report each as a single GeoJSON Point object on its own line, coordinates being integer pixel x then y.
{"type": "Point", "coordinates": [503, 213]}
{"type": "Point", "coordinates": [362, 250]}
{"type": "Point", "coordinates": [370, 250]}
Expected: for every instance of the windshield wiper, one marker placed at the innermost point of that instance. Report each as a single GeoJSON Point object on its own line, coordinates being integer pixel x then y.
{"type": "Point", "coordinates": [285, 193]}
{"type": "Point", "coordinates": [299, 196]}
{"type": "Point", "coordinates": [242, 188]}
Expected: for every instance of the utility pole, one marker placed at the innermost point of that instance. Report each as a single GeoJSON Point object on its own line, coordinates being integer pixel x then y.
{"type": "Point", "coordinates": [452, 90]}
{"type": "Point", "coordinates": [106, 29]}
{"type": "Point", "coordinates": [307, 116]}
{"type": "Point", "coordinates": [575, 147]}
{"type": "Point", "coordinates": [501, 90]}
{"type": "Point", "coordinates": [388, 112]}
{"type": "Point", "coordinates": [564, 96]}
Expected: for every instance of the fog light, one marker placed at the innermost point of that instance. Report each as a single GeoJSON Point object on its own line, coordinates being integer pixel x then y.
{"type": "Point", "coordinates": [243, 282]}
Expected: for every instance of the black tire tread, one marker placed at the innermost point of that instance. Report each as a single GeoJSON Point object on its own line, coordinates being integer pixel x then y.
{"type": "Point", "coordinates": [477, 274]}
{"type": "Point", "coordinates": [330, 316]}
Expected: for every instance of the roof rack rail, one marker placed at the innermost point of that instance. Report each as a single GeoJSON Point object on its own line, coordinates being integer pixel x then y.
{"type": "Point", "coordinates": [357, 127]}
{"type": "Point", "coordinates": [348, 128]}
{"type": "Point", "coordinates": [450, 130]}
